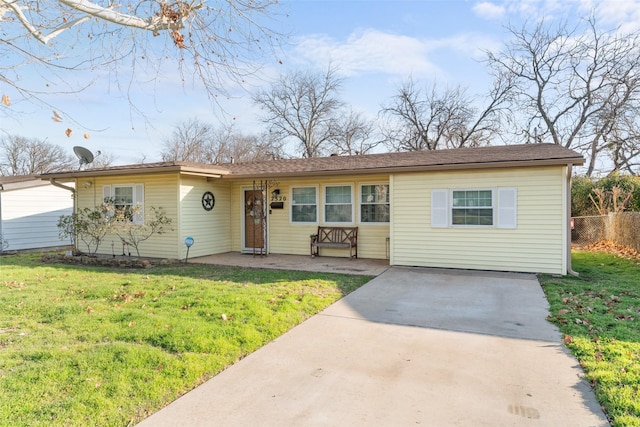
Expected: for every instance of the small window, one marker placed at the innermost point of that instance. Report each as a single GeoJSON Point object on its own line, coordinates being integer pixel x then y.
{"type": "Point", "coordinates": [338, 205]}
{"type": "Point", "coordinates": [304, 204]}
{"type": "Point", "coordinates": [472, 207]}
{"type": "Point", "coordinates": [374, 203]}
{"type": "Point", "coordinates": [127, 200]}
{"type": "Point", "coordinates": [123, 202]}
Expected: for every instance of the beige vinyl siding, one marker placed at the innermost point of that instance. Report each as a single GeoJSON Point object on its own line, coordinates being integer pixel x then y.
{"type": "Point", "coordinates": [210, 229]}
{"type": "Point", "coordinates": [160, 190]}
{"type": "Point", "coordinates": [286, 237]}
{"type": "Point", "coordinates": [535, 245]}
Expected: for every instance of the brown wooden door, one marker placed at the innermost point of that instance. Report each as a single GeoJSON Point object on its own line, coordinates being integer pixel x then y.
{"type": "Point", "coordinates": [254, 219]}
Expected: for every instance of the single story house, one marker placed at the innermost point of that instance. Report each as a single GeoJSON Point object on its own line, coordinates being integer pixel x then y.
{"type": "Point", "coordinates": [29, 212]}
{"type": "Point", "coordinates": [490, 208]}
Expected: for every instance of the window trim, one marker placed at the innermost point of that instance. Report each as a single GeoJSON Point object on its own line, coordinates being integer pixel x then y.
{"type": "Point", "coordinates": [108, 192]}
{"type": "Point", "coordinates": [504, 205]}
{"type": "Point", "coordinates": [292, 204]}
{"type": "Point", "coordinates": [325, 204]}
{"type": "Point", "coordinates": [493, 208]}
{"type": "Point", "coordinates": [388, 203]}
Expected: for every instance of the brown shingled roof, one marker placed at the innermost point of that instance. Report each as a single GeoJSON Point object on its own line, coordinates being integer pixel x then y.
{"type": "Point", "coordinates": [461, 158]}
{"type": "Point", "coordinates": [143, 168]}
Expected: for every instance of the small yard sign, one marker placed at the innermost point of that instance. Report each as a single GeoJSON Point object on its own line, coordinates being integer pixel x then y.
{"type": "Point", "coordinates": [189, 242]}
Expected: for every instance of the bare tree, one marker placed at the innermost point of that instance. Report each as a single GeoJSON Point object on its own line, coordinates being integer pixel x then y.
{"type": "Point", "coordinates": [442, 117]}
{"type": "Point", "coordinates": [303, 107]}
{"type": "Point", "coordinates": [102, 160]}
{"type": "Point", "coordinates": [250, 148]}
{"type": "Point", "coordinates": [212, 41]}
{"type": "Point", "coordinates": [24, 156]}
{"type": "Point", "coordinates": [190, 141]}
{"type": "Point", "coordinates": [576, 87]}
{"type": "Point", "coordinates": [200, 142]}
{"type": "Point", "coordinates": [622, 145]}
{"type": "Point", "coordinates": [354, 135]}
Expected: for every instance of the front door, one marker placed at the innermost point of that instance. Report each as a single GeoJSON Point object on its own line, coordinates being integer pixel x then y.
{"type": "Point", "coordinates": [254, 222]}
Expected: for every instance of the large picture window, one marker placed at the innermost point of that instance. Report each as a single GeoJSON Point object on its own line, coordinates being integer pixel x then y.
{"type": "Point", "coordinates": [304, 204]}
{"type": "Point", "coordinates": [472, 207]}
{"type": "Point", "coordinates": [374, 203]}
{"type": "Point", "coordinates": [338, 205]}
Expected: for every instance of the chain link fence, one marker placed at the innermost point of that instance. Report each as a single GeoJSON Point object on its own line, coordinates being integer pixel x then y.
{"type": "Point", "coordinates": [622, 228]}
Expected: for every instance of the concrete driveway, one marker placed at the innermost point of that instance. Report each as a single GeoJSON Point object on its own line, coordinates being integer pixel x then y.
{"type": "Point", "coordinates": [411, 347]}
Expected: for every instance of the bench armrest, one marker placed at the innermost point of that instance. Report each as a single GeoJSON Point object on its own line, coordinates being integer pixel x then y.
{"type": "Point", "coordinates": [314, 238]}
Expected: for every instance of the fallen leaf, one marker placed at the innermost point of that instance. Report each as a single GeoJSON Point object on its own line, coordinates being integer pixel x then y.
{"type": "Point", "coordinates": [86, 136]}
{"type": "Point", "coordinates": [56, 117]}
{"type": "Point", "coordinates": [68, 132]}
{"type": "Point", "coordinates": [610, 246]}
{"type": "Point", "coordinates": [6, 100]}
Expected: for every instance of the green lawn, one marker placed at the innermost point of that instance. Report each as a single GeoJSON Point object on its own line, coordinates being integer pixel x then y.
{"type": "Point", "coordinates": [92, 346]}
{"type": "Point", "coordinates": [599, 314]}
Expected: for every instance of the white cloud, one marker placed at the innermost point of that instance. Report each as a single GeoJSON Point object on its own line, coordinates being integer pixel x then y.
{"type": "Point", "coordinates": [549, 10]}
{"type": "Point", "coordinates": [374, 51]}
{"type": "Point", "coordinates": [488, 10]}
{"type": "Point", "coordinates": [614, 13]}
{"type": "Point", "coordinates": [367, 51]}
{"type": "Point", "coordinates": [619, 13]}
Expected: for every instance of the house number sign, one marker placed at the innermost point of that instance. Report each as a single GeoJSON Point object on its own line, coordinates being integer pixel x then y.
{"type": "Point", "coordinates": [208, 201]}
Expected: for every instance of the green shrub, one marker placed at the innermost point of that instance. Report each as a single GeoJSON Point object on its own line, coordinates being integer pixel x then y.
{"type": "Point", "coordinates": [583, 186]}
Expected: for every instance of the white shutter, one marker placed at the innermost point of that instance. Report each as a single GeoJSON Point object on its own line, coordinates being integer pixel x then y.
{"type": "Point", "coordinates": [439, 208]}
{"type": "Point", "coordinates": [507, 207]}
{"type": "Point", "coordinates": [106, 194]}
{"type": "Point", "coordinates": [138, 201]}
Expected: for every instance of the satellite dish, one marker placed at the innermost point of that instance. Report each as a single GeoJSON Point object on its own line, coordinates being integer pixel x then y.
{"type": "Point", "coordinates": [84, 155]}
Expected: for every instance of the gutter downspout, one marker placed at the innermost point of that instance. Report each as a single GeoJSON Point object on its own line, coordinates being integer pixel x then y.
{"type": "Point", "coordinates": [57, 184]}
{"type": "Point", "coordinates": [53, 182]}
{"type": "Point", "coordinates": [568, 222]}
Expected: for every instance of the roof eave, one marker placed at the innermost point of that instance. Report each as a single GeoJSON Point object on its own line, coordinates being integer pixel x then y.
{"type": "Point", "coordinates": [185, 170]}
{"type": "Point", "coordinates": [19, 185]}
{"type": "Point", "coordinates": [576, 161]}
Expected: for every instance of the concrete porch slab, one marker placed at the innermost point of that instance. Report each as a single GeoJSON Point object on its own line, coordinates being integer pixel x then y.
{"type": "Point", "coordinates": [360, 266]}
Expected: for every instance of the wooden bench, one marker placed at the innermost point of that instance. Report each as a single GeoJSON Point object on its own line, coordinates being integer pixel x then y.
{"type": "Point", "coordinates": [335, 237]}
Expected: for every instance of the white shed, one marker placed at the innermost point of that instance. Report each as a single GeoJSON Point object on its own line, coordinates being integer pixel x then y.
{"type": "Point", "coordinates": [29, 212]}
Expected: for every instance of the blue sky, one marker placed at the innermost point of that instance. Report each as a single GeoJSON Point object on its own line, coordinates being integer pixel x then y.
{"type": "Point", "coordinates": [374, 44]}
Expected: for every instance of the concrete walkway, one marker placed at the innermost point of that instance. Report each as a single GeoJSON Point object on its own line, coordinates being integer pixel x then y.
{"type": "Point", "coordinates": [359, 266]}
{"type": "Point", "coordinates": [411, 347]}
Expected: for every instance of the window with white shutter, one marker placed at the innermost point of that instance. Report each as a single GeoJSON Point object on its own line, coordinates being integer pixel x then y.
{"type": "Point", "coordinates": [127, 199]}
{"type": "Point", "coordinates": [474, 208]}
